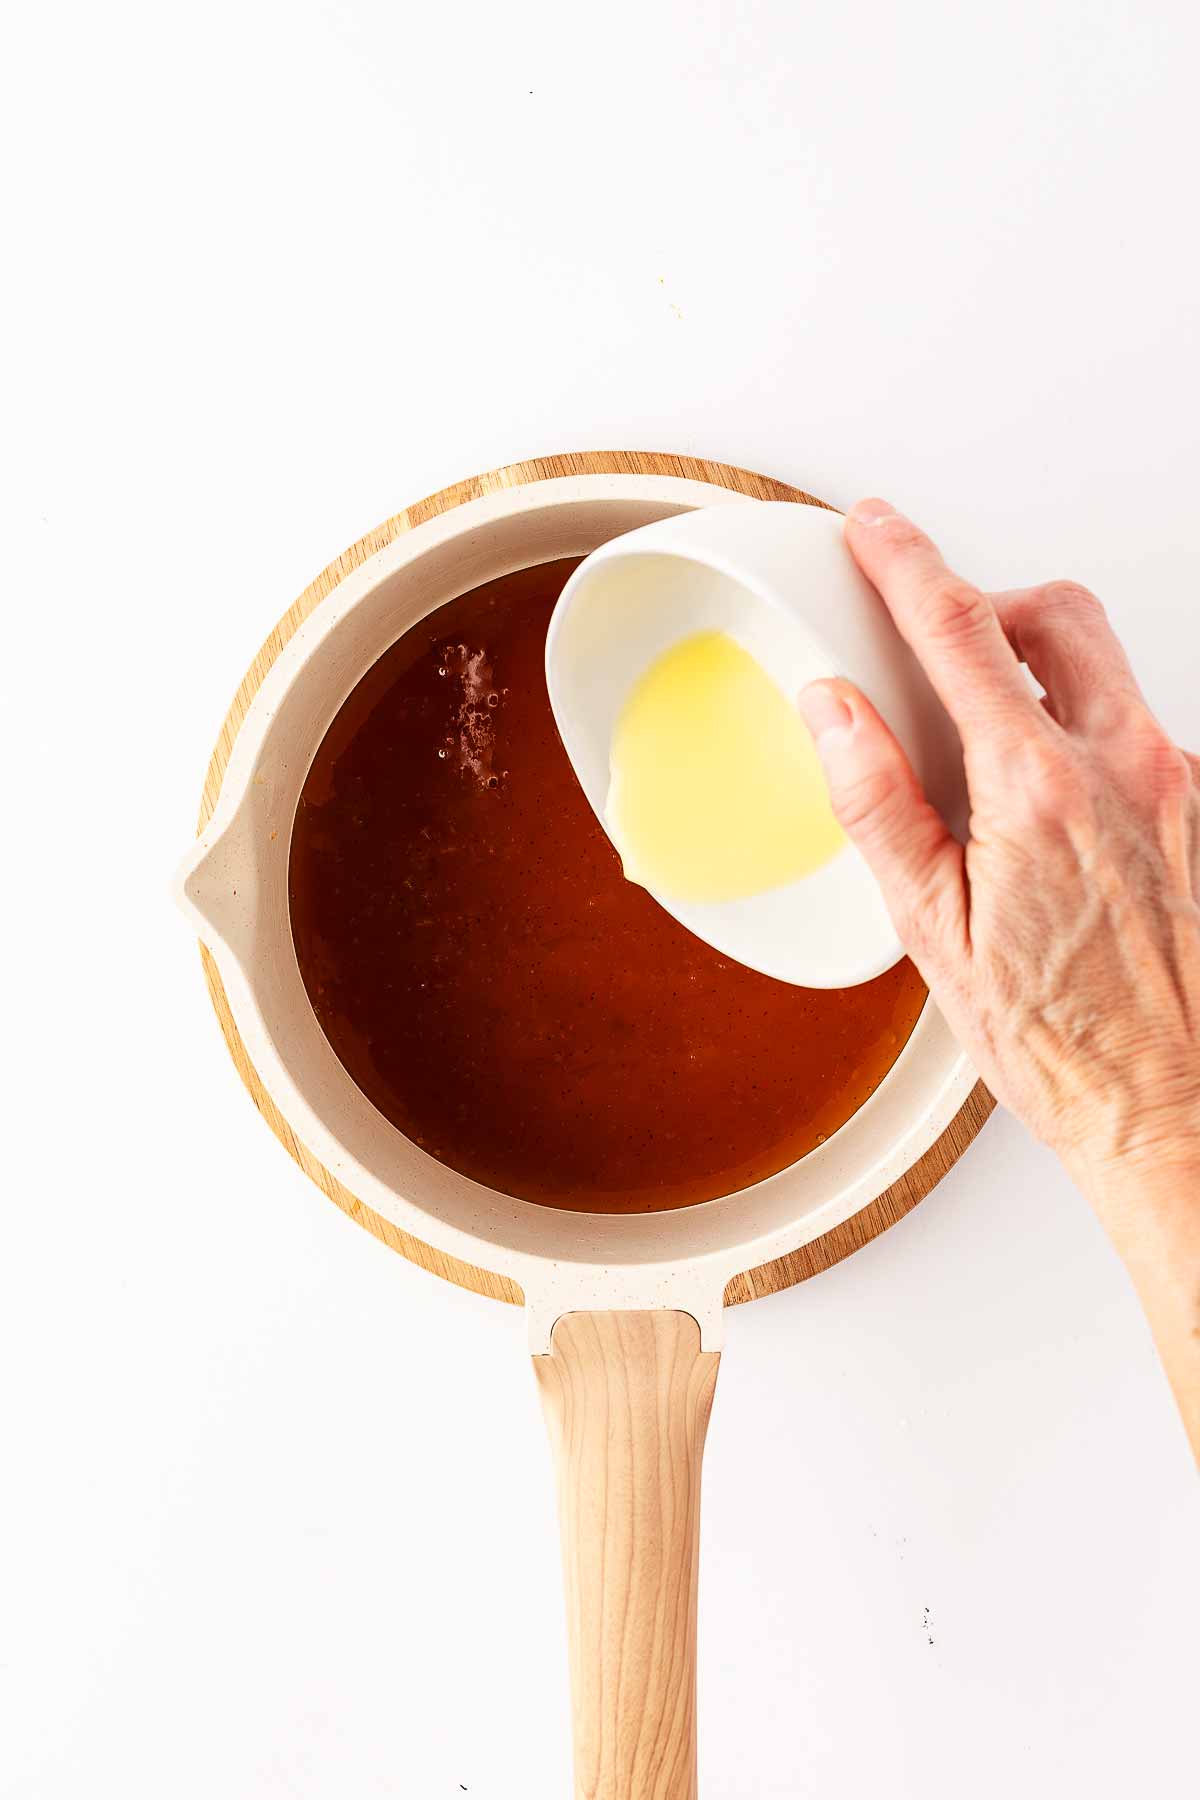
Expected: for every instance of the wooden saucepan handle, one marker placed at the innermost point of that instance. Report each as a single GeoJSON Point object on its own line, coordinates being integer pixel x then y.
{"type": "Point", "coordinates": [627, 1397]}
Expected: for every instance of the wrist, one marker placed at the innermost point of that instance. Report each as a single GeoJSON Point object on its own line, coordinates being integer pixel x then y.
{"type": "Point", "coordinates": [1146, 1200]}
{"type": "Point", "coordinates": [1142, 1137]}
{"type": "Point", "coordinates": [1150, 1208]}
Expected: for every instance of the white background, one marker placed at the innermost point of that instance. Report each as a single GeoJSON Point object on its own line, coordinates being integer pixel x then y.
{"type": "Point", "coordinates": [277, 1514]}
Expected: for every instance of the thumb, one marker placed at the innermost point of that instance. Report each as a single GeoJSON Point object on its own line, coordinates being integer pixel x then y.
{"type": "Point", "coordinates": [882, 808]}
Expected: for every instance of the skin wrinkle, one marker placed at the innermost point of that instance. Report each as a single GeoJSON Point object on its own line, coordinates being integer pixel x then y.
{"type": "Point", "coordinates": [1110, 888]}
{"type": "Point", "coordinates": [1182, 910]}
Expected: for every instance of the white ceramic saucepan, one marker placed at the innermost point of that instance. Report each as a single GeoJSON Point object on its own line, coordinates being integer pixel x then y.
{"type": "Point", "coordinates": [625, 1312]}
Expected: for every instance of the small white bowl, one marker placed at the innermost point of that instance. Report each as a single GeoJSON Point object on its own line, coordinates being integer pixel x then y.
{"type": "Point", "coordinates": [779, 579]}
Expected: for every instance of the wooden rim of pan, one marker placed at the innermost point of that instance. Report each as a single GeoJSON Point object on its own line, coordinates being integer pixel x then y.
{"type": "Point", "coordinates": [771, 1277]}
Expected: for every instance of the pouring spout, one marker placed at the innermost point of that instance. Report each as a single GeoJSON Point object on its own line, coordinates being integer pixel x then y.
{"type": "Point", "coordinates": [217, 887]}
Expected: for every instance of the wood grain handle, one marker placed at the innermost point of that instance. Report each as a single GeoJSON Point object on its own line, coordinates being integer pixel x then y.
{"type": "Point", "coordinates": [627, 1397]}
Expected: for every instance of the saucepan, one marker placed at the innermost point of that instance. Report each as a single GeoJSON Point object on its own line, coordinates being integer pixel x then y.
{"type": "Point", "coordinates": [624, 1312]}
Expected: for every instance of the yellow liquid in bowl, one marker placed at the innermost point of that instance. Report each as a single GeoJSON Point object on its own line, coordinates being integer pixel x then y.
{"type": "Point", "coordinates": [717, 792]}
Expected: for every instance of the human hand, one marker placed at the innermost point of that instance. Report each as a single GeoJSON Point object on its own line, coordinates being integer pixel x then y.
{"type": "Point", "coordinates": [1062, 943]}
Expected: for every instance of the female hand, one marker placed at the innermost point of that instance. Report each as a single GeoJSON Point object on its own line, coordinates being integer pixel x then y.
{"type": "Point", "coordinates": [1062, 943]}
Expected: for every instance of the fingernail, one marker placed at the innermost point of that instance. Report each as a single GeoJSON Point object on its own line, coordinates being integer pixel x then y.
{"type": "Point", "coordinates": [823, 710]}
{"type": "Point", "coordinates": [871, 512]}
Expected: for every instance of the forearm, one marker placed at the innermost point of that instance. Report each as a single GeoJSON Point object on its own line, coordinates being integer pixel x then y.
{"type": "Point", "coordinates": [1151, 1212]}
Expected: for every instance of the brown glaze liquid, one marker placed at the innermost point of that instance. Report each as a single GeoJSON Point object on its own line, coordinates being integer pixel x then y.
{"type": "Point", "coordinates": [497, 988]}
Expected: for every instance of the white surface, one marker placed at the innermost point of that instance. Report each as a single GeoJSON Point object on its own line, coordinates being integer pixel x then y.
{"type": "Point", "coordinates": [276, 1515]}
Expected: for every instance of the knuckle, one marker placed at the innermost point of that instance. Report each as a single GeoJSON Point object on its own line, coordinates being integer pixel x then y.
{"type": "Point", "coordinates": [1161, 768]}
{"type": "Point", "coordinates": [1073, 600]}
{"type": "Point", "coordinates": [1049, 779]}
{"type": "Point", "coordinates": [867, 803]}
{"type": "Point", "coordinates": [952, 610]}
{"type": "Point", "coordinates": [1110, 710]}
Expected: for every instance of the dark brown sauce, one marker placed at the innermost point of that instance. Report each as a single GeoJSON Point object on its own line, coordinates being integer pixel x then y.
{"type": "Point", "coordinates": [497, 988]}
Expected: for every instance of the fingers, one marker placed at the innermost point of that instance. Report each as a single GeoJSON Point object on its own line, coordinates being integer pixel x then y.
{"type": "Point", "coordinates": [950, 625]}
{"type": "Point", "coordinates": [880, 805]}
{"type": "Point", "coordinates": [1060, 630]}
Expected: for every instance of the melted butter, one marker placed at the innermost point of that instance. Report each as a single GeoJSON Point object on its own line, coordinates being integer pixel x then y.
{"type": "Point", "coordinates": [717, 792]}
